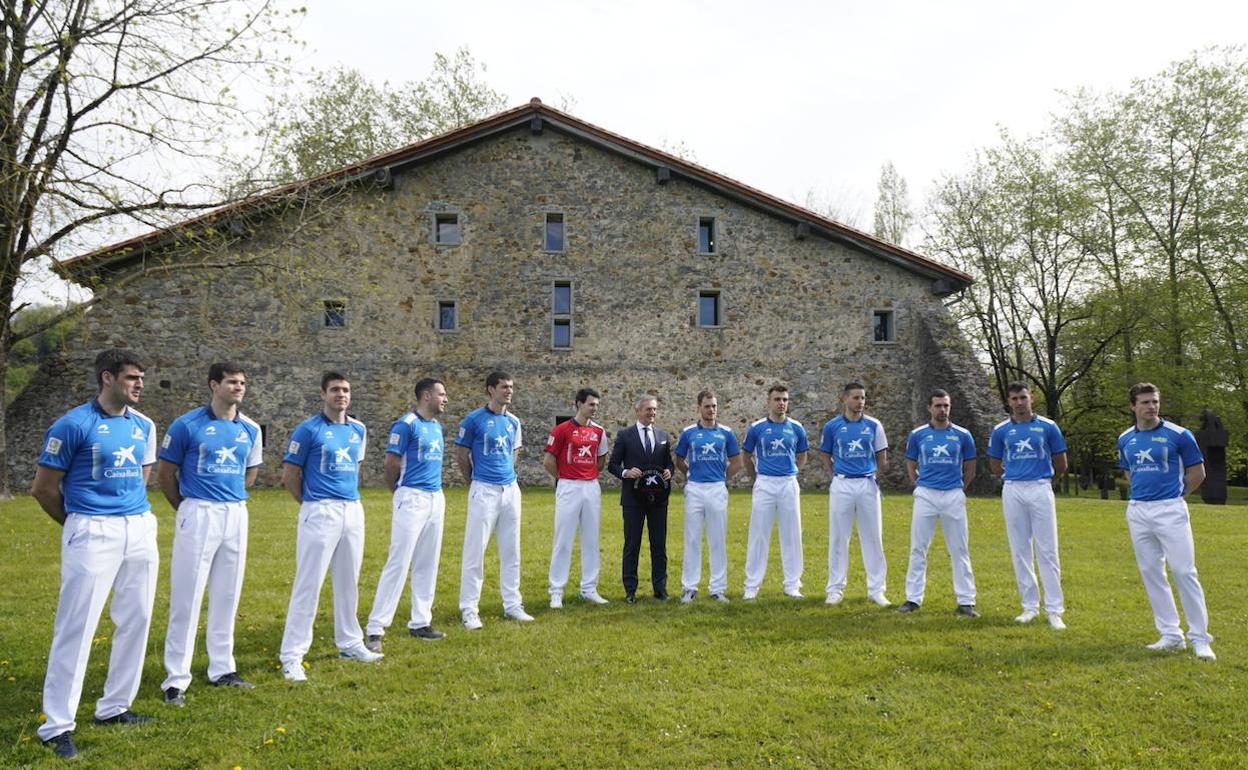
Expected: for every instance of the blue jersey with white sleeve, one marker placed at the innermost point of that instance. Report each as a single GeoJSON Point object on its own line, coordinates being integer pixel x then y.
{"type": "Point", "coordinates": [940, 453]}
{"type": "Point", "coordinates": [775, 446]}
{"type": "Point", "coordinates": [212, 453]}
{"type": "Point", "coordinates": [853, 444]}
{"type": "Point", "coordinates": [707, 451]}
{"type": "Point", "coordinates": [419, 445]}
{"type": "Point", "coordinates": [1156, 459]}
{"type": "Point", "coordinates": [492, 439]}
{"type": "Point", "coordinates": [329, 453]}
{"type": "Point", "coordinates": [1026, 449]}
{"type": "Point", "coordinates": [102, 456]}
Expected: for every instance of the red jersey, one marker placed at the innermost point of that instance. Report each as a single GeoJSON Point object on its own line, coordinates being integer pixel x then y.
{"type": "Point", "coordinates": [577, 448]}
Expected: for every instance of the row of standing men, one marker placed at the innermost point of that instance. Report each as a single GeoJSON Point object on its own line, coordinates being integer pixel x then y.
{"type": "Point", "coordinates": [96, 460]}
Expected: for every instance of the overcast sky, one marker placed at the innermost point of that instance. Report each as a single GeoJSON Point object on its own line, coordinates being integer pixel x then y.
{"type": "Point", "coordinates": [789, 97]}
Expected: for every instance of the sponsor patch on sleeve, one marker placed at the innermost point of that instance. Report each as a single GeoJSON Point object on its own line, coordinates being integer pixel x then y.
{"type": "Point", "coordinates": [53, 447]}
{"type": "Point", "coordinates": [293, 449]}
{"type": "Point", "coordinates": [168, 440]}
{"type": "Point", "coordinates": [394, 439]}
{"type": "Point", "coordinates": [461, 432]}
{"type": "Point", "coordinates": [550, 440]}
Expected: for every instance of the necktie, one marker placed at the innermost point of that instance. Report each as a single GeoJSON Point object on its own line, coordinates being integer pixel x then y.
{"type": "Point", "coordinates": [649, 446]}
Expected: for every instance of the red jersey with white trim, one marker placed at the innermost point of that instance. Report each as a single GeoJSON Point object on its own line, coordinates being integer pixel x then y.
{"type": "Point", "coordinates": [577, 448]}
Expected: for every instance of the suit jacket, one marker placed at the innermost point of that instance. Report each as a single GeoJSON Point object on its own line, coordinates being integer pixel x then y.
{"type": "Point", "coordinates": [629, 452]}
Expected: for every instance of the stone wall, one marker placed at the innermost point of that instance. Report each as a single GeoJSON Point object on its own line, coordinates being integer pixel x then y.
{"type": "Point", "coordinates": [795, 310]}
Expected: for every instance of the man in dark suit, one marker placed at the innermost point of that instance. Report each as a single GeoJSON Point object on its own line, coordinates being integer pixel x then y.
{"type": "Point", "coordinates": [642, 460]}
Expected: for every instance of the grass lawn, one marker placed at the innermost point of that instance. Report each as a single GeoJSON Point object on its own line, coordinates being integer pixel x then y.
{"type": "Point", "coordinates": [769, 683]}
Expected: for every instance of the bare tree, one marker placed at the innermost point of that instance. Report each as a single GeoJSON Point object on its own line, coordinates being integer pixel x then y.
{"type": "Point", "coordinates": [893, 216]}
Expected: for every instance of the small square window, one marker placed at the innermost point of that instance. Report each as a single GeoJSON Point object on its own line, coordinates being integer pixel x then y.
{"type": "Point", "coordinates": [554, 232]}
{"type": "Point", "coordinates": [446, 229]}
{"type": "Point", "coordinates": [709, 309]}
{"type": "Point", "coordinates": [448, 316]}
{"type": "Point", "coordinates": [706, 235]}
{"type": "Point", "coordinates": [561, 334]}
{"type": "Point", "coordinates": [561, 298]}
{"type": "Point", "coordinates": [883, 329]}
{"type": "Point", "coordinates": [335, 313]}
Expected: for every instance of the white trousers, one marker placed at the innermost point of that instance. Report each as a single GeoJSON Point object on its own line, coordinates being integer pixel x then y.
{"type": "Point", "coordinates": [1161, 532]}
{"type": "Point", "coordinates": [416, 542]}
{"type": "Point", "coordinates": [99, 554]}
{"type": "Point", "coordinates": [775, 498]}
{"type": "Point", "coordinates": [492, 509]}
{"type": "Point", "coordinates": [578, 503]}
{"type": "Point", "coordinates": [706, 507]}
{"type": "Point", "coordinates": [1031, 518]}
{"type": "Point", "coordinates": [853, 501]}
{"type": "Point", "coordinates": [209, 550]}
{"type": "Point", "coordinates": [330, 534]}
{"type": "Point", "coordinates": [948, 508]}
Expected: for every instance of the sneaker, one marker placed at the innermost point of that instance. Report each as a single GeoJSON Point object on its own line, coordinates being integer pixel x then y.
{"type": "Point", "coordinates": [293, 671]}
{"type": "Point", "coordinates": [1166, 643]}
{"type": "Point", "coordinates": [720, 598]}
{"type": "Point", "coordinates": [836, 597]}
{"type": "Point", "coordinates": [556, 601]}
{"type": "Point", "coordinates": [966, 611]}
{"type": "Point", "coordinates": [1203, 651]}
{"type": "Point", "coordinates": [174, 697]}
{"type": "Point", "coordinates": [126, 717]}
{"type": "Point", "coordinates": [909, 606]}
{"type": "Point", "coordinates": [372, 642]}
{"type": "Point", "coordinates": [63, 745]}
{"type": "Point", "coordinates": [428, 633]}
{"type": "Point", "coordinates": [750, 594]}
{"type": "Point", "coordinates": [687, 597]}
{"type": "Point", "coordinates": [361, 653]}
{"type": "Point", "coordinates": [880, 599]}
{"type": "Point", "coordinates": [517, 613]}
{"type": "Point", "coordinates": [1027, 616]}
{"type": "Point", "coordinates": [472, 621]}
{"type": "Point", "coordinates": [231, 679]}
{"type": "Point", "coordinates": [794, 594]}
{"type": "Point", "coordinates": [1056, 622]}
{"type": "Point", "coordinates": [593, 597]}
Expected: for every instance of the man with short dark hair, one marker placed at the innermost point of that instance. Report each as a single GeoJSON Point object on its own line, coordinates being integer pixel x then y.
{"type": "Point", "coordinates": [486, 450]}
{"type": "Point", "coordinates": [775, 450]}
{"type": "Point", "coordinates": [576, 452]}
{"type": "Point", "coordinates": [321, 471]}
{"type": "Point", "coordinates": [413, 469]}
{"type": "Point", "coordinates": [1164, 465]}
{"type": "Point", "coordinates": [709, 456]}
{"type": "Point", "coordinates": [91, 479]}
{"type": "Point", "coordinates": [1028, 451]}
{"type": "Point", "coordinates": [209, 457]}
{"type": "Point", "coordinates": [642, 460]}
{"type": "Point", "coordinates": [940, 462]}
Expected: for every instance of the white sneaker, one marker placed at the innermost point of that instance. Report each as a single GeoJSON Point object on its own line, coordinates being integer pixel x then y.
{"type": "Point", "coordinates": [1165, 643]}
{"type": "Point", "coordinates": [794, 594]}
{"type": "Point", "coordinates": [1203, 651]}
{"type": "Point", "coordinates": [556, 601]}
{"type": "Point", "coordinates": [517, 613]}
{"type": "Point", "coordinates": [293, 671]}
{"type": "Point", "coordinates": [593, 597]}
{"type": "Point", "coordinates": [687, 597]}
{"type": "Point", "coordinates": [834, 598]}
{"type": "Point", "coordinates": [1056, 622]}
{"type": "Point", "coordinates": [472, 621]}
{"type": "Point", "coordinates": [720, 598]}
{"type": "Point", "coordinates": [1027, 616]}
{"type": "Point", "coordinates": [880, 599]}
{"type": "Point", "coordinates": [361, 653]}
{"type": "Point", "coordinates": [749, 594]}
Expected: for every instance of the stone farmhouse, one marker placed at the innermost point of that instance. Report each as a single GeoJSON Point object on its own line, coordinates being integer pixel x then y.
{"type": "Point", "coordinates": [535, 243]}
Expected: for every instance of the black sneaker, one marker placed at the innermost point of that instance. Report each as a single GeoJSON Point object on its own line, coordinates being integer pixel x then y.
{"type": "Point", "coordinates": [372, 642]}
{"type": "Point", "coordinates": [966, 611]}
{"type": "Point", "coordinates": [124, 718]}
{"type": "Point", "coordinates": [63, 745]}
{"type": "Point", "coordinates": [908, 606]}
{"type": "Point", "coordinates": [428, 633]}
{"type": "Point", "coordinates": [231, 679]}
{"type": "Point", "coordinates": [175, 697]}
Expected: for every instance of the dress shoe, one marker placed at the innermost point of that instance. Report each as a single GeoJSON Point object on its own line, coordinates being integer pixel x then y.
{"type": "Point", "coordinates": [124, 718]}
{"type": "Point", "coordinates": [908, 606]}
{"type": "Point", "coordinates": [630, 598]}
{"type": "Point", "coordinates": [966, 611]}
{"type": "Point", "coordinates": [661, 595]}
{"type": "Point", "coordinates": [63, 745]}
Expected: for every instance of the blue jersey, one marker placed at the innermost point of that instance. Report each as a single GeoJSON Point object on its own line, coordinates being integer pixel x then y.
{"type": "Point", "coordinates": [707, 450]}
{"type": "Point", "coordinates": [419, 445]}
{"type": "Point", "coordinates": [330, 454]}
{"type": "Point", "coordinates": [493, 440]}
{"type": "Point", "coordinates": [853, 444]}
{"type": "Point", "coordinates": [1156, 460]}
{"type": "Point", "coordinates": [102, 456]}
{"type": "Point", "coordinates": [1026, 449]}
{"type": "Point", "coordinates": [775, 446]}
{"type": "Point", "coordinates": [213, 454]}
{"type": "Point", "coordinates": [940, 453]}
